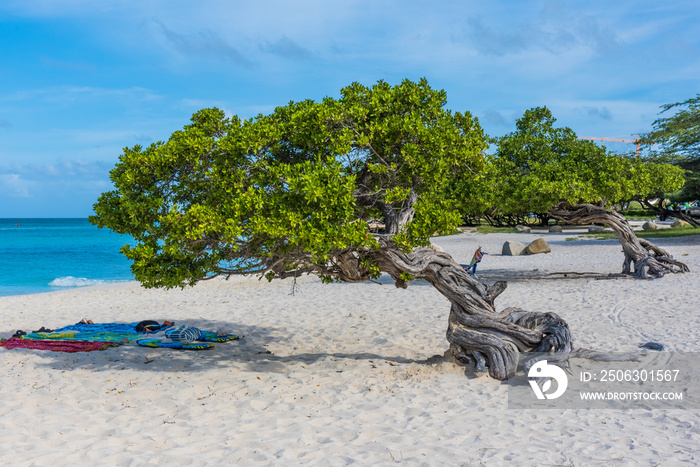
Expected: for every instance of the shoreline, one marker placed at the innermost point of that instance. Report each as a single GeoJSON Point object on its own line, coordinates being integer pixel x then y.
{"type": "Point", "coordinates": [336, 373]}
{"type": "Point", "coordinates": [73, 279]}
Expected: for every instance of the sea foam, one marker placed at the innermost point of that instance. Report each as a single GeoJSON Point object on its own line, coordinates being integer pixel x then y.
{"type": "Point", "coordinates": [70, 281]}
{"type": "Point", "coordinates": [59, 254]}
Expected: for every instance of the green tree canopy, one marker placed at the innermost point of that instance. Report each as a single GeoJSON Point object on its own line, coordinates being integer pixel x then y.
{"type": "Point", "coordinates": [287, 193]}
{"type": "Point", "coordinates": [540, 165]}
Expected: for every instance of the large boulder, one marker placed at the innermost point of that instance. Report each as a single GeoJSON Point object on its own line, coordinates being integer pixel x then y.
{"type": "Point", "coordinates": [513, 249]}
{"type": "Point", "coordinates": [522, 228]}
{"type": "Point", "coordinates": [538, 246]}
{"type": "Point", "coordinates": [596, 228]}
{"type": "Point", "coordinates": [556, 229]}
{"type": "Point", "coordinates": [650, 225]}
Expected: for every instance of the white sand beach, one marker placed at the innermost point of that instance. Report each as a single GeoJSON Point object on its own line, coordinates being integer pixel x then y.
{"type": "Point", "coordinates": [337, 374]}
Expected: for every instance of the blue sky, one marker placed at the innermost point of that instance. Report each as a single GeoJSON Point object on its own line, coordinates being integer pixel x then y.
{"type": "Point", "coordinates": [82, 79]}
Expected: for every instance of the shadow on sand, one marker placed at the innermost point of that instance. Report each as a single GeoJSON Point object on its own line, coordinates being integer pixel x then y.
{"type": "Point", "coordinates": [249, 353]}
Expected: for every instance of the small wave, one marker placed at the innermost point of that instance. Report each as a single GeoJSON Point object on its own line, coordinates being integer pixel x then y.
{"type": "Point", "coordinates": [71, 281]}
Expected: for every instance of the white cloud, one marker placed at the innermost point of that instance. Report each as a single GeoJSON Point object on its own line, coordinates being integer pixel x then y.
{"type": "Point", "coordinates": [605, 118]}
{"type": "Point", "coordinates": [287, 48]}
{"type": "Point", "coordinates": [602, 113]}
{"type": "Point", "coordinates": [18, 174]}
{"type": "Point", "coordinates": [72, 94]}
{"type": "Point", "coordinates": [496, 118]}
{"type": "Point", "coordinates": [204, 43]}
{"type": "Point", "coordinates": [59, 189]}
{"type": "Point", "coordinates": [13, 186]}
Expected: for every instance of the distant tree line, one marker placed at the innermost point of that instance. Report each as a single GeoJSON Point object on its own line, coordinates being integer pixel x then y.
{"type": "Point", "coordinates": [540, 165]}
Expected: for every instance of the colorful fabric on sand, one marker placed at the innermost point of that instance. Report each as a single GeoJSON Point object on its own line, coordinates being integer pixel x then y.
{"type": "Point", "coordinates": [151, 342]}
{"type": "Point", "coordinates": [106, 336]}
{"type": "Point", "coordinates": [56, 346]}
{"type": "Point", "coordinates": [125, 328]}
{"type": "Point", "coordinates": [211, 336]}
{"type": "Point", "coordinates": [180, 337]}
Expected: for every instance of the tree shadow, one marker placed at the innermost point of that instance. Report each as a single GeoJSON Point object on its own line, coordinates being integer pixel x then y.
{"type": "Point", "coordinates": [249, 353]}
{"type": "Point", "coordinates": [677, 241]}
{"type": "Point", "coordinates": [581, 241]}
{"type": "Point", "coordinates": [660, 241]}
{"type": "Point", "coordinates": [490, 276]}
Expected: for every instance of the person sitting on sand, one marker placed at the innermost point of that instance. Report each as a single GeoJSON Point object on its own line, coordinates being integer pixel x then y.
{"type": "Point", "coordinates": [152, 326]}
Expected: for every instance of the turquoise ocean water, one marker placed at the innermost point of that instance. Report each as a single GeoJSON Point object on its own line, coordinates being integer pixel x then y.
{"type": "Point", "coordinates": [44, 255]}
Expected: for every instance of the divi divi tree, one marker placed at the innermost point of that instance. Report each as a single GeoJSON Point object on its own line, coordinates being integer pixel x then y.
{"type": "Point", "coordinates": [543, 168]}
{"type": "Point", "coordinates": [293, 192]}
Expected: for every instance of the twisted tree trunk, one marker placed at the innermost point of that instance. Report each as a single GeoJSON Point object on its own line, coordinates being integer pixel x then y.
{"type": "Point", "coordinates": [643, 259]}
{"type": "Point", "coordinates": [476, 332]}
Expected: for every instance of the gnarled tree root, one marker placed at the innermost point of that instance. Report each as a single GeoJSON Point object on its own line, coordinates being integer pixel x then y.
{"type": "Point", "coordinates": [656, 264]}
{"type": "Point", "coordinates": [495, 342]}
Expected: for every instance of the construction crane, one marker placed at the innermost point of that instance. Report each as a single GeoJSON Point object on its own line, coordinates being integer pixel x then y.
{"type": "Point", "coordinates": [636, 140]}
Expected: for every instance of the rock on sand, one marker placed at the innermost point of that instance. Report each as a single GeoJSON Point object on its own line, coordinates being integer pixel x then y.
{"type": "Point", "coordinates": [512, 249]}
{"type": "Point", "coordinates": [538, 246]}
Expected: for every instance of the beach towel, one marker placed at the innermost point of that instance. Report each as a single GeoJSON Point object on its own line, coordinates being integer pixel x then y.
{"type": "Point", "coordinates": [126, 328]}
{"type": "Point", "coordinates": [213, 336]}
{"type": "Point", "coordinates": [151, 342]}
{"type": "Point", "coordinates": [127, 333]}
{"type": "Point", "coordinates": [53, 345]}
{"type": "Point", "coordinates": [105, 336]}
